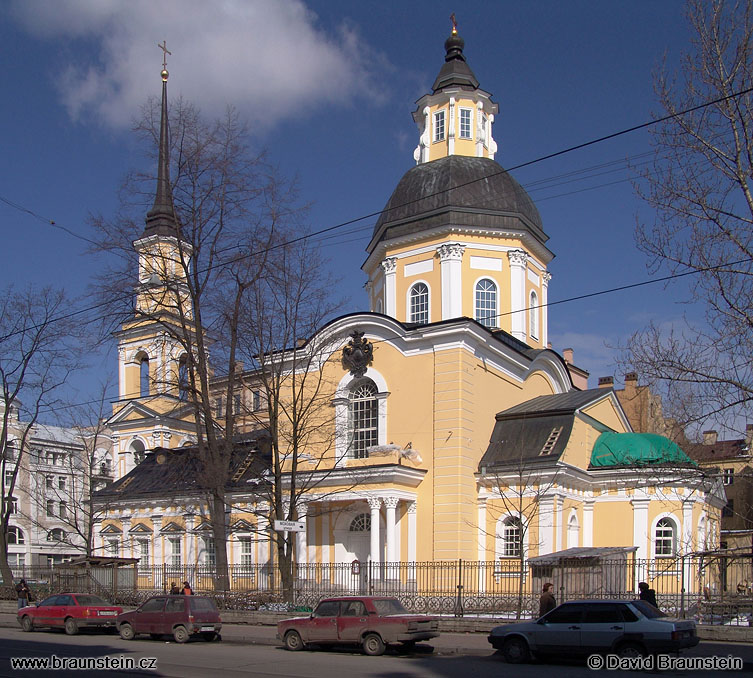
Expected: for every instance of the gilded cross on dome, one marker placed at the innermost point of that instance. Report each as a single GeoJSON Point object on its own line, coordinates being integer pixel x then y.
{"type": "Point", "coordinates": [454, 24]}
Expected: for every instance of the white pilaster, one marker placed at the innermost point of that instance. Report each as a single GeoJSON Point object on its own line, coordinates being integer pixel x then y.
{"type": "Point", "coordinates": [126, 546]}
{"type": "Point", "coordinates": [412, 539]}
{"type": "Point", "coordinates": [481, 529]}
{"type": "Point", "coordinates": [159, 556]}
{"type": "Point", "coordinates": [640, 526]}
{"type": "Point", "coordinates": [191, 551]}
{"type": "Point", "coordinates": [374, 505]}
{"type": "Point", "coordinates": [451, 129]}
{"type": "Point", "coordinates": [559, 526]}
{"type": "Point", "coordinates": [588, 522]}
{"type": "Point", "coordinates": [518, 261]}
{"type": "Point", "coordinates": [301, 538]}
{"type": "Point", "coordinates": [121, 372]}
{"type": "Point", "coordinates": [390, 505]}
{"type": "Point", "coordinates": [686, 545]}
{"type": "Point", "coordinates": [546, 525]}
{"type": "Point", "coordinates": [451, 273]}
{"type": "Point", "coordinates": [325, 534]}
{"type": "Point", "coordinates": [389, 266]}
{"type": "Point", "coordinates": [545, 308]}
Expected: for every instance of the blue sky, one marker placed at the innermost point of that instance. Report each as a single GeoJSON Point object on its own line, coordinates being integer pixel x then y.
{"type": "Point", "coordinates": [328, 88]}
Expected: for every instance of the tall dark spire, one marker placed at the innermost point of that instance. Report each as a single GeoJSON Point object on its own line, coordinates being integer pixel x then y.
{"type": "Point", "coordinates": [161, 219]}
{"type": "Point", "coordinates": [455, 72]}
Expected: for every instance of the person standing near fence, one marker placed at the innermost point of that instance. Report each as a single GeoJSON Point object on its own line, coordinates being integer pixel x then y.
{"type": "Point", "coordinates": [187, 589]}
{"type": "Point", "coordinates": [174, 589]}
{"type": "Point", "coordinates": [647, 594]}
{"type": "Point", "coordinates": [547, 601]}
{"type": "Point", "coordinates": [23, 593]}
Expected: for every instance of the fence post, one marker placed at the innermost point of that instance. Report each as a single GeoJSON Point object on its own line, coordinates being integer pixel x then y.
{"type": "Point", "coordinates": [459, 600]}
{"type": "Point", "coordinates": [682, 588]}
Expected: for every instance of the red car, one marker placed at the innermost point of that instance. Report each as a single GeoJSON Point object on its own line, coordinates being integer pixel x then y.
{"type": "Point", "coordinates": [181, 616]}
{"type": "Point", "coordinates": [70, 611]}
{"type": "Point", "coordinates": [369, 621]}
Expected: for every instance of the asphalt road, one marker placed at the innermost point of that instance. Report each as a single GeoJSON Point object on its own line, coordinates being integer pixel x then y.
{"type": "Point", "coordinates": [238, 656]}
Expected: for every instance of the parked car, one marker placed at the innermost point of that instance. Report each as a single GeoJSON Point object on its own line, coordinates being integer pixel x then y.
{"type": "Point", "coordinates": [70, 611]}
{"type": "Point", "coordinates": [584, 627]}
{"type": "Point", "coordinates": [369, 621]}
{"type": "Point", "coordinates": [179, 616]}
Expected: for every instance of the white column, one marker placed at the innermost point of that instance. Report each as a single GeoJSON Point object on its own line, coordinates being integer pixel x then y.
{"type": "Point", "coordinates": [481, 529]}
{"type": "Point", "coordinates": [451, 129]}
{"type": "Point", "coordinates": [126, 547]}
{"type": "Point", "coordinates": [558, 526]}
{"type": "Point", "coordinates": [545, 308]}
{"type": "Point", "coordinates": [301, 538]}
{"type": "Point", "coordinates": [374, 505]}
{"type": "Point", "coordinates": [686, 543]}
{"type": "Point", "coordinates": [588, 522]}
{"type": "Point", "coordinates": [325, 508]}
{"type": "Point", "coordinates": [546, 525]}
{"type": "Point", "coordinates": [412, 540]}
{"type": "Point", "coordinates": [191, 551]}
{"type": "Point", "coordinates": [479, 130]}
{"type": "Point", "coordinates": [640, 526]}
{"type": "Point", "coordinates": [390, 504]}
{"type": "Point", "coordinates": [389, 266]}
{"type": "Point", "coordinates": [451, 274]}
{"type": "Point", "coordinates": [518, 259]}
{"type": "Point", "coordinates": [121, 372]}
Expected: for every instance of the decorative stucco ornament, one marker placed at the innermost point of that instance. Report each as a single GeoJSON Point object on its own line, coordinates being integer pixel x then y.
{"type": "Point", "coordinates": [358, 354]}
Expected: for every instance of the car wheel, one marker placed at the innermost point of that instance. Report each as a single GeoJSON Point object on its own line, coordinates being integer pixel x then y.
{"type": "Point", "coordinates": [293, 641]}
{"type": "Point", "coordinates": [27, 624]}
{"type": "Point", "coordinates": [373, 645]}
{"type": "Point", "coordinates": [631, 650]}
{"type": "Point", "coordinates": [71, 627]}
{"type": "Point", "coordinates": [180, 634]}
{"type": "Point", "coordinates": [515, 651]}
{"type": "Point", "coordinates": [209, 636]}
{"type": "Point", "coordinates": [126, 632]}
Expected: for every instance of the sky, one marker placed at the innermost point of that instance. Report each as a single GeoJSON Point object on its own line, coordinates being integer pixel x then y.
{"type": "Point", "coordinates": [328, 88]}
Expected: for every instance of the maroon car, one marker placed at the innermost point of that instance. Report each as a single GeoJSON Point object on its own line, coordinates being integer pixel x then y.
{"type": "Point", "coordinates": [180, 616]}
{"type": "Point", "coordinates": [70, 611]}
{"type": "Point", "coordinates": [369, 621]}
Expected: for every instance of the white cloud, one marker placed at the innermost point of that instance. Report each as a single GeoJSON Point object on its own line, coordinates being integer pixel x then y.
{"type": "Point", "coordinates": [269, 59]}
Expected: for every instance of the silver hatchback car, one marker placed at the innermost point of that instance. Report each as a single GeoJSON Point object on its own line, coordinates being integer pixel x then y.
{"type": "Point", "coordinates": [629, 628]}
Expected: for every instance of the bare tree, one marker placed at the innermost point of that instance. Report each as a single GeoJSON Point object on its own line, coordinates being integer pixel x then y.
{"type": "Point", "coordinates": [700, 189]}
{"type": "Point", "coordinates": [223, 214]}
{"type": "Point", "coordinates": [36, 357]}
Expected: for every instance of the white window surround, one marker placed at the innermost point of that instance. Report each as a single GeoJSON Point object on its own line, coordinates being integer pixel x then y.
{"type": "Point", "coordinates": [675, 524]}
{"type": "Point", "coordinates": [495, 320]}
{"type": "Point", "coordinates": [463, 134]}
{"type": "Point", "coordinates": [341, 403]}
{"type": "Point", "coordinates": [533, 315]}
{"type": "Point", "coordinates": [573, 530]}
{"type": "Point", "coordinates": [439, 131]}
{"type": "Point", "coordinates": [500, 538]}
{"type": "Point", "coordinates": [408, 298]}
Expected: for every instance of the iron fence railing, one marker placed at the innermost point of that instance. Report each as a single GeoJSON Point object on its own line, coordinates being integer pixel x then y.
{"type": "Point", "coordinates": [712, 589]}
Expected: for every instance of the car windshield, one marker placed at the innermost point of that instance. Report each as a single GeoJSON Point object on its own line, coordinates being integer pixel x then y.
{"type": "Point", "coordinates": [647, 609]}
{"type": "Point", "coordinates": [94, 601]}
{"type": "Point", "coordinates": [388, 606]}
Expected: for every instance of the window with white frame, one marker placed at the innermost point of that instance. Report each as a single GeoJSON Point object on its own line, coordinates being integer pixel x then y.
{"type": "Point", "coordinates": [439, 126]}
{"type": "Point", "coordinates": [61, 483]}
{"type": "Point", "coordinates": [175, 559]}
{"type": "Point", "coordinates": [486, 303]}
{"type": "Point", "coordinates": [361, 523]}
{"type": "Point", "coordinates": [17, 561]}
{"type": "Point", "coordinates": [63, 510]}
{"type": "Point", "coordinates": [533, 315]}
{"type": "Point", "coordinates": [419, 303]}
{"type": "Point", "coordinates": [210, 554]}
{"type": "Point", "coordinates": [465, 123]}
{"type": "Point", "coordinates": [664, 538]}
{"type": "Point", "coordinates": [49, 481]}
{"type": "Point", "coordinates": [573, 532]}
{"type": "Point", "coordinates": [728, 476]}
{"type": "Point", "coordinates": [363, 417]}
{"type": "Point", "coordinates": [112, 547]}
{"type": "Point", "coordinates": [142, 545]}
{"type": "Point", "coordinates": [247, 551]}
{"type": "Point", "coordinates": [8, 478]}
{"type": "Point", "coordinates": [511, 538]}
{"type": "Point", "coordinates": [15, 536]}
{"type": "Point", "coordinates": [13, 501]}
{"type": "Point", "coordinates": [50, 508]}
{"type": "Point", "coordinates": [58, 535]}
{"type": "Point", "coordinates": [144, 385]}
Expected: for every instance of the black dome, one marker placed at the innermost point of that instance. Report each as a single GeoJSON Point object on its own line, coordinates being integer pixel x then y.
{"type": "Point", "coordinates": [461, 190]}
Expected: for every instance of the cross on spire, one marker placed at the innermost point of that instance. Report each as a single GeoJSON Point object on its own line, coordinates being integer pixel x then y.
{"type": "Point", "coordinates": [165, 52]}
{"type": "Point", "coordinates": [454, 23]}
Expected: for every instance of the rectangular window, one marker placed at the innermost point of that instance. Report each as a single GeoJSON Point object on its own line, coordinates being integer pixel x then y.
{"type": "Point", "coordinates": [48, 482]}
{"type": "Point", "coordinates": [257, 401]}
{"type": "Point", "coordinates": [729, 476]}
{"type": "Point", "coordinates": [61, 483]}
{"type": "Point", "coordinates": [465, 123]}
{"type": "Point", "coordinates": [13, 505]}
{"type": "Point", "coordinates": [219, 410]}
{"type": "Point", "coordinates": [63, 510]}
{"type": "Point", "coordinates": [175, 552]}
{"type": "Point", "coordinates": [237, 403]}
{"type": "Point", "coordinates": [247, 553]}
{"type": "Point", "coordinates": [113, 548]}
{"type": "Point", "coordinates": [143, 551]}
{"type": "Point", "coordinates": [50, 508]}
{"type": "Point", "coordinates": [439, 126]}
{"type": "Point", "coordinates": [210, 555]}
{"type": "Point", "coordinates": [16, 560]}
{"type": "Point", "coordinates": [8, 478]}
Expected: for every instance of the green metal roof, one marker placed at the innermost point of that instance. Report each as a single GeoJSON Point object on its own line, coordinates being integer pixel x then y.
{"type": "Point", "coordinates": [636, 449]}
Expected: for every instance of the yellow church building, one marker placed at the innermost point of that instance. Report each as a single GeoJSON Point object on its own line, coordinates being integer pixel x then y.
{"type": "Point", "coordinates": [457, 432]}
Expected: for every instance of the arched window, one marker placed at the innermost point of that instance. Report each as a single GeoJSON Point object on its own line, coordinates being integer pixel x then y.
{"type": "Point", "coordinates": [56, 535]}
{"type": "Point", "coordinates": [419, 303]}
{"type": "Point", "coordinates": [138, 450]}
{"type": "Point", "coordinates": [573, 532]}
{"type": "Point", "coordinates": [363, 411]}
{"type": "Point", "coordinates": [144, 376]}
{"type": "Point", "coordinates": [512, 536]}
{"type": "Point", "coordinates": [361, 523]}
{"type": "Point", "coordinates": [664, 538]}
{"type": "Point", "coordinates": [533, 315]}
{"type": "Point", "coordinates": [183, 378]}
{"type": "Point", "coordinates": [485, 308]}
{"type": "Point", "coordinates": [15, 536]}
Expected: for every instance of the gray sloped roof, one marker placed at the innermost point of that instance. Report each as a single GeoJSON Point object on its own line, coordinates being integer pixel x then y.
{"type": "Point", "coordinates": [521, 432]}
{"type": "Point", "coordinates": [584, 552]}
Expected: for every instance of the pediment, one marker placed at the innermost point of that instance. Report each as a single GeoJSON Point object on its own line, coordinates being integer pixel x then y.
{"type": "Point", "coordinates": [133, 411]}
{"type": "Point", "coordinates": [241, 526]}
{"type": "Point", "coordinates": [203, 526]}
{"type": "Point", "coordinates": [140, 528]}
{"type": "Point", "coordinates": [111, 529]}
{"type": "Point", "coordinates": [172, 527]}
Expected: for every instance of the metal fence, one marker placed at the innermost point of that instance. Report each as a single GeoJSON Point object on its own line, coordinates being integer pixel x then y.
{"type": "Point", "coordinates": [712, 589]}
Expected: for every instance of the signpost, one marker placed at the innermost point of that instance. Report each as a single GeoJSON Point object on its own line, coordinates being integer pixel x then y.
{"type": "Point", "coordinates": [290, 526]}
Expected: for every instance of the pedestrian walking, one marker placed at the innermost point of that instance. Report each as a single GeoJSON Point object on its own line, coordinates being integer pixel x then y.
{"type": "Point", "coordinates": [547, 601]}
{"type": "Point", "coordinates": [647, 594]}
{"type": "Point", "coordinates": [23, 593]}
